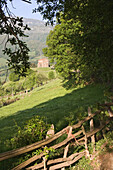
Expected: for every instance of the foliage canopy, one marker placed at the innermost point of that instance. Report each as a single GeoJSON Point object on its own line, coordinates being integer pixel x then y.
{"type": "Point", "coordinates": [15, 48]}
{"type": "Point", "coordinates": [81, 45]}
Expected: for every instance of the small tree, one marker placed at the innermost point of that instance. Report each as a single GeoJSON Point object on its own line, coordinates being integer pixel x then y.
{"type": "Point", "coordinates": [40, 79]}
{"type": "Point", "coordinates": [30, 80]}
{"type": "Point", "coordinates": [19, 86]}
{"type": "Point", "coordinates": [14, 77]}
{"type": "Point", "coordinates": [51, 75]}
{"type": "Point", "coordinates": [9, 87]}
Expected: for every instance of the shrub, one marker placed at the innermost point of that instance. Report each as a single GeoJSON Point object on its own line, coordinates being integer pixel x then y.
{"type": "Point", "coordinates": [29, 72]}
{"type": "Point", "coordinates": [9, 87]}
{"type": "Point", "coordinates": [34, 130]}
{"type": "Point", "coordinates": [29, 81]}
{"type": "Point", "coordinates": [51, 75]}
{"type": "Point", "coordinates": [82, 164]}
{"type": "Point", "coordinates": [1, 91]}
{"type": "Point", "coordinates": [13, 77]}
{"type": "Point", "coordinates": [19, 86]}
{"type": "Point", "coordinates": [40, 79]}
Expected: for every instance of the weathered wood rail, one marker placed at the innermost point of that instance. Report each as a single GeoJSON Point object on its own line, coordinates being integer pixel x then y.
{"type": "Point", "coordinates": [77, 138]}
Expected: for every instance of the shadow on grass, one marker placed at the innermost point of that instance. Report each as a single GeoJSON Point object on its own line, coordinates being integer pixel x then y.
{"type": "Point", "coordinates": [60, 111]}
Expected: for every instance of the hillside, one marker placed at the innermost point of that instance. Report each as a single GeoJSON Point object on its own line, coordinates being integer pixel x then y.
{"type": "Point", "coordinates": [36, 40]}
{"type": "Point", "coordinates": [58, 105]}
{"type": "Point", "coordinates": [37, 37]}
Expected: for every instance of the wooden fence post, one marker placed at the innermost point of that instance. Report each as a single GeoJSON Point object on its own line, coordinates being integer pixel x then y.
{"type": "Point", "coordinates": [110, 111]}
{"type": "Point", "coordinates": [91, 129]}
{"type": "Point", "coordinates": [44, 159]}
{"type": "Point", "coordinates": [87, 155]}
{"type": "Point", "coordinates": [50, 132]}
{"type": "Point", "coordinates": [66, 148]}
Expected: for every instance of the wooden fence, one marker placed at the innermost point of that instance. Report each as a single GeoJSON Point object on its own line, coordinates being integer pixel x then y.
{"type": "Point", "coordinates": [76, 135]}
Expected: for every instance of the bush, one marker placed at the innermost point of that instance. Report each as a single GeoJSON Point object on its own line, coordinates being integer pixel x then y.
{"type": "Point", "coordinates": [19, 86]}
{"type": "Point", "coordinates": [29, 81]}
{"type": "Point", "coordinates": [13, 77]}
{"type": "Point", "coordinates": [82, 164]}
{"type": "Point", "coordinates": [34, 130]}
{"type": "Point", "coordinates": [51, 75]}
{"type": "Point", "coordinates": [1, 91]}
{"type": "Point", "coordinates": [9, 87]}
{"type": "Point", "coordinates": [40, 79]}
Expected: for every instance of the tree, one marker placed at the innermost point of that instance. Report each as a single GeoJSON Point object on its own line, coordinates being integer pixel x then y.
{"type": "Point", "coordinates": [61, 50]}
{"type": "Point", "coordinates": [51, 75]}
{"type": "Point", "coordinates": [13, 29]}
{"type": "Point", "coordinates": [30, 79]}
{"type": "Point", "coordinates": [93, 41]}
{"type": "Point", "coordinates": [51, 9]}
{"type": "Point", "coordinates": [29, 82]}
{"type": "Point", "coordinates": [95, 44]}
{"type": "Point", "coordinates": [40, 79]}
{"type": "Point", "coordinates": [13, 77]}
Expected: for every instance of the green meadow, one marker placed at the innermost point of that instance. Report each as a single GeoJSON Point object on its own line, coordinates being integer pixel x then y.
{"type": "Point", "coordinates": [52, 100]}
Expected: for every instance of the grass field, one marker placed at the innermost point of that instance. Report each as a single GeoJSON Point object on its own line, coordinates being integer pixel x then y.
{"type": "Point", "coordinates": [53, 101]}
{"type": "Point", "coordinates": [45, 71]}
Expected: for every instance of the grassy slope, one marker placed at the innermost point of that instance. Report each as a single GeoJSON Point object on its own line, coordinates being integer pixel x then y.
{"type": "Point", "coordinates": [52, 101]}
{"type": "Point", "coordinates": [43, 71]}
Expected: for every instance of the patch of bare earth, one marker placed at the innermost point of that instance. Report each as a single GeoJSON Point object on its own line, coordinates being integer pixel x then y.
{"type": "Point", "coordinates": [106, 161]}
{"type": "Point", "coordinates": [103, 161]}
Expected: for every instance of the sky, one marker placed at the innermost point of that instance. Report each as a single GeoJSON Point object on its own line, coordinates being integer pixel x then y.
{"type": "Point", "coordinates": [23, 9]}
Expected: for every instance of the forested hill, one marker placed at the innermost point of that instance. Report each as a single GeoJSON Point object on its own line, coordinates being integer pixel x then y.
{"type": "Point", "coordinates": [36, 40]}
{"type": "Point", "coordinates": [37, 36]}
